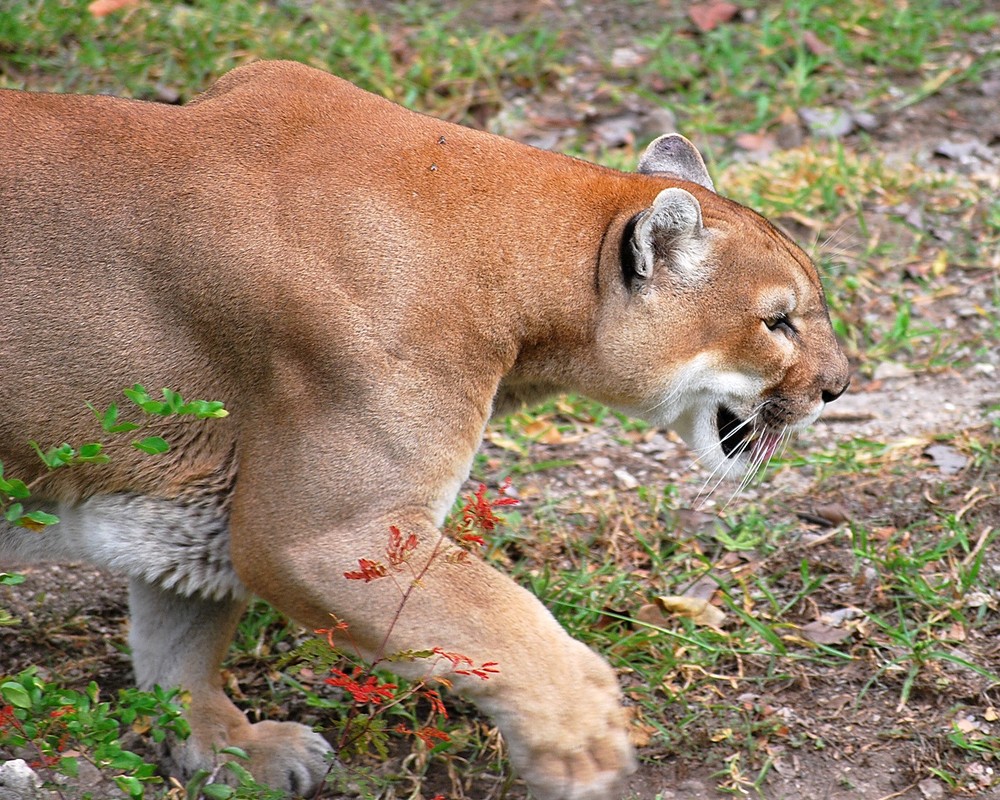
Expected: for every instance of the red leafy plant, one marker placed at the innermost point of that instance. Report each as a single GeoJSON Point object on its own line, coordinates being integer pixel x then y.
{"type": "Point", "coordinates": [364, 728]}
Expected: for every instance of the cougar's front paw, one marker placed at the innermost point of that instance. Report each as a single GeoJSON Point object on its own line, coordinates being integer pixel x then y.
{"type": "Point", "coordinates": [283, 755]}
{"type": "Point", "coordinates": [570, 741]}
{"type": "Point", "coordinates": [286, 756]}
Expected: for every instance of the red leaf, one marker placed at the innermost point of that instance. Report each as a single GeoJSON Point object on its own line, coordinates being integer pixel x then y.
{"type": "Point", "coordinates": [709, 16]}
{"type": "Point", "coordinates": [101, 8]}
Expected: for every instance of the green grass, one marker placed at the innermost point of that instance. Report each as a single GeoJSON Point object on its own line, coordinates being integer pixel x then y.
{"type": "Point", "coordinates": [745, 74]}
{"type": "Point", "coordinates": [165, 49]}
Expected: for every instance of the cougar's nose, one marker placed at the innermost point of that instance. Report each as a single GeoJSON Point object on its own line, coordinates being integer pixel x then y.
{"type": "Point", "coordinates": [829, 397]}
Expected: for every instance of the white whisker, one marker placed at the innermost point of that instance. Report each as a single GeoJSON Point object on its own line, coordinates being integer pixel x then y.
{"type": "Point", "coordinates": [673, 395]}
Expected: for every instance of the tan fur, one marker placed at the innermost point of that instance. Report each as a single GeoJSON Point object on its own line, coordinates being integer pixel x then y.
{"type": "Point", "coordinates": [362, 286]}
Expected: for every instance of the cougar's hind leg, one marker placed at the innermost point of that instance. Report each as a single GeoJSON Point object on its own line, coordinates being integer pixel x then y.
{"type": "Point", "coordinates": [180, 641]}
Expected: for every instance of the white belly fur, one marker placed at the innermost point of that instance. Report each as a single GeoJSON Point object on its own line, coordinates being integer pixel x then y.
{"type": "Point", "coordinates": [180, 547]}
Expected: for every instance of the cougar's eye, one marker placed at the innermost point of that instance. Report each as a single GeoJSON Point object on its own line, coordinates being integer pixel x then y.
{"type": "Point", "coordinates": [780, 322]}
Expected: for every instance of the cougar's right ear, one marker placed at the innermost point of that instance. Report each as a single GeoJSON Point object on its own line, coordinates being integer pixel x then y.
{"type": "Point", "coordinates": [666, 235]}
{"type": "Point", "coordinates": [674, 155]}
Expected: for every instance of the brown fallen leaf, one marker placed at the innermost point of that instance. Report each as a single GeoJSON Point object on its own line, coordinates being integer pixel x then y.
{"type": "Point", "coordinates": [704, 588]}
{"type": "Point", "coordinates": [756, 142]}
{"type": "Point", "coordinates": [821, 633]}
{"type": "Point", "coordinates": [101, 8]}
{"type": "Point", "coordinates": [814, 45]}
{"type": "Point", "coordinates": [651, 614]}
{"type": "Point", "coordinates": [640, 733]}
{"type": "Point", "coordinates": [709, 16]}
{"type": "Point", "coordinates": [834, 513]}
{"type": "Point", "coordinates": [543, 431]}
{"type": "Point", "coordinates": [697, 609]}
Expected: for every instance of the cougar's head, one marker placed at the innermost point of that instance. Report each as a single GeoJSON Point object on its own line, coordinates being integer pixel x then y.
{"type": "Point", "coordinates": [712, 322]}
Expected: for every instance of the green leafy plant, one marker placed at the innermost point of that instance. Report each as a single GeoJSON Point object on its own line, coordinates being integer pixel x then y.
{"type": "Point", "coordinates": [55, 728]}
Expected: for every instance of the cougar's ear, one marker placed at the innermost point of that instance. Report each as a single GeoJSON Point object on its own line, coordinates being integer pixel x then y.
{"type": "Point", "coordinates": [674, 155]}
{"type": "Point", "coordinates": [669, 233]}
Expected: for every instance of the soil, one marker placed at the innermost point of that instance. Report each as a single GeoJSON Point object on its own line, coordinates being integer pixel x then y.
{"type": "Point", "coordinates": [74, 620]}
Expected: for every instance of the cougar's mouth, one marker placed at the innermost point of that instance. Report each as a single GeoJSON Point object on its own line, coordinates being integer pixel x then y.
{"type": "Point", "coordinates": [734, 433]}
{"type": "Point", "coordinates": [742, 437]}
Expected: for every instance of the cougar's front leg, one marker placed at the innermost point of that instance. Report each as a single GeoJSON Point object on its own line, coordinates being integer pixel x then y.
{"type": "Point", "coordinates": [556, 701]}
{"type": "Point", "coordinates": [180, 641]}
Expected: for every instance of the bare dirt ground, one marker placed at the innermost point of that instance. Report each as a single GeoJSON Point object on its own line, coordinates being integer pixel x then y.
{"type": "Point", "coordinates": [74, 619]}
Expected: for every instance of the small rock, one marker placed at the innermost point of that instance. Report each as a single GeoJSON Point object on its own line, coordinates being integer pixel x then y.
{"type": "Point", "coordinates": [978, 599]}
{"type": "Point", "coordinates": [626, 479]}
{"type": "Point", "coordinates": [18, 781]}
{"type": "Point", "coordinates": [945, 458]}
{"type": "Point", "coordinates": [790, 133]}
{"type": "Point", "coordinates": [865, 120]}
{"type": "Point", "coordinates": [602, 462]}
{"type": "Point", "coordinates": [656, 122]}
{"type": "Point", "coordinates": [627, 58]}
{"type": "Point", "coordinates": [889, 370]}
{"type": "Point", "coordinates": [617, 131]}
{"type": "Point", "coordinates": [915, 218]}
{"type": "Point", "coordinates": [931, 789]}
{"type": "Point", "coordinates": [965, 152]}
{"type": "Point", "coordinates": [657, 444]}
{"type": "Point", "coordinates": [167, 94]}
{"type": "Point", "coordinates": [827, 121]}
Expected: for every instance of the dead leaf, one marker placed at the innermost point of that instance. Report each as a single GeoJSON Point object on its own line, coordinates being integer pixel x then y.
{"type": "Point", "coordinates": [955, 633]}
{"type": "Point", "coordinates": [101, 8]}
{"type": "Point", "coordinates": [756, 142]}
{"type": "Point", "coordinates": [697, 609]}
{"type": "Point", "coordinates": [640, 733]}
{"type": "Point", "coordinates": [966, 725]}
{"type": "Point", "coordinates": [703, 589]}
{"type": "Point", "coordinates": [814, 45]}
{"type": "Point", "coordinates": [650, 614]}
{"type": "Point", "coordinates": [826, 515]}
{"type": "Point", "coordinates": [505, 442]}
{"type": "Point", "coordinates": [822, 633]}
{"type": "Point", "coordinates": [537, 427]}
{"type": "Point", "coordinates": [543, 431]}
{"type": "Point", "coordinates": [709, 16]}
{"type": "Point", "coordinates": [722, 735]}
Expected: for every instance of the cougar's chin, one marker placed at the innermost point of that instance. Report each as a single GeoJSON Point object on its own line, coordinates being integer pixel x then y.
{"type": "Point", "coordinates": [726, 443]}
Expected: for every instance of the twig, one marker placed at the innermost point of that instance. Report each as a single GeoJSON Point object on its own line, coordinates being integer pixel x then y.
{"type": "Point", "coordinates": [983, 537]}
{"type": "Point", "coordinates": [900, 793]}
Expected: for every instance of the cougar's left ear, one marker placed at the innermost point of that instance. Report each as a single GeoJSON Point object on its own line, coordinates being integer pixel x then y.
{"type": "Point", "coordinates": [674, 155]}
{"type": "Point", "coordinates": [670, 233]}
